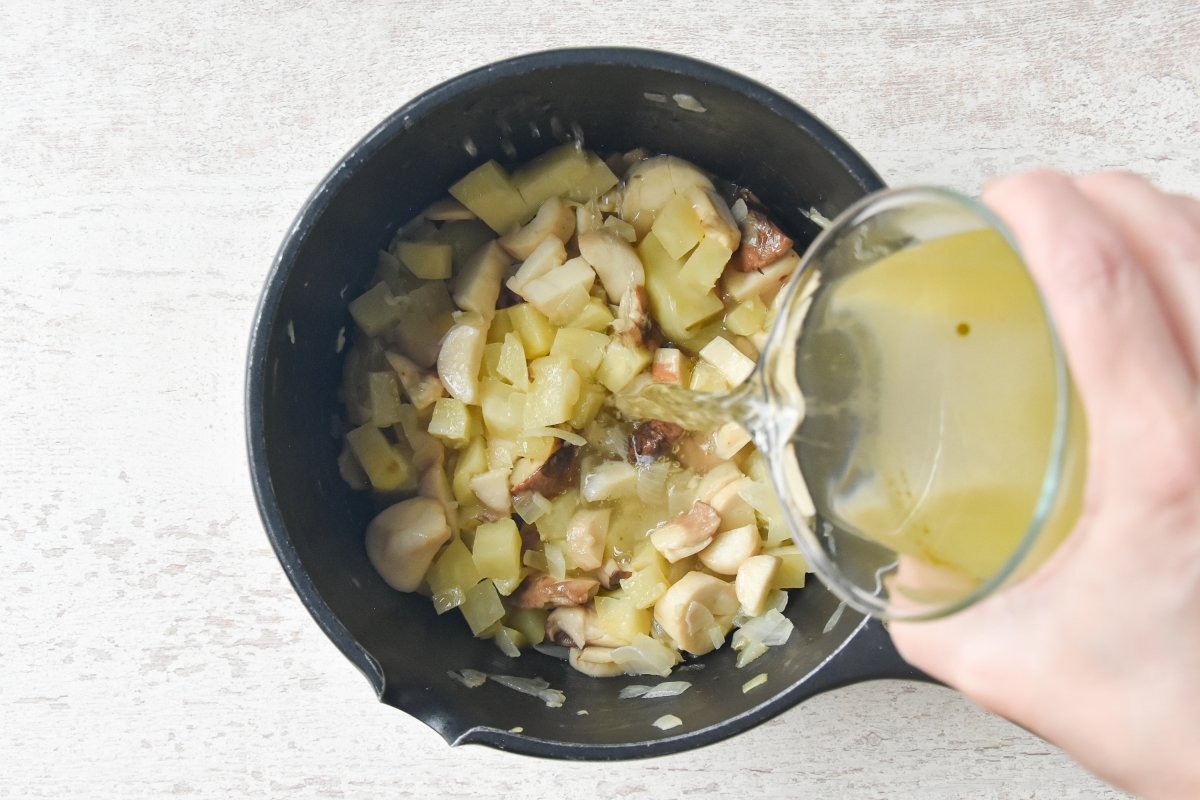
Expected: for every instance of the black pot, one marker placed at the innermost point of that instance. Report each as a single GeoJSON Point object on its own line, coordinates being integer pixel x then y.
{"type": "Point", "coordinates": [511, 111]}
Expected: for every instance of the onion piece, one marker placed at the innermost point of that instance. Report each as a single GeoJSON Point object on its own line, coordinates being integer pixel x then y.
{"type": "Point", "coordinates": [772, 629]}
{"type": "Point", "coordinates": [570, 437]}
{"type": "Point", "coordinates": [646, 656]}
{"type": "Point", "coordinates": [535, 687]}
{"type": "Point", "coordinates": [755, 682]}
{"type": "Point", "coordinates": [667, 721]}
{"type": "Point", "coordinates": [652, 482]}
{"type": "Point", "coordinates": [834, 618]}
{"type": "Point", "coordinates": [470, 678]}
{"type": "Point", "coordinates": [530, 506]}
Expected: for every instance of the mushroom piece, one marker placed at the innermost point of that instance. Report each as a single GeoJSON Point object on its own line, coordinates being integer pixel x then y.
{"type": "Point", "coordinates": [686, 534]}
{"type": "Point", "coordinates": [615, 262]}
{"type": "Point", "coordinates": [423, 388]}
{"type": "Point", "coordinates": [567, 627]}
{"type": "Point", "coordinates": [652, 439]}
{"type": "Point", "coordinates": [730, 548]}
{"type": "Point", "coordinates": [403, 539]}
{"type": "Point", "coordinates": [549, 254]}
{"type": "Point", "coordinates": [554, 218]}
{"type": "Point", "coordinates": [652, 183]}
{"type": "Point", "coordinates": [461, 356]}
{"type": "Point", "coordinates": [731, 506]}
{"type": "Point", "coordinates": [491, 488]}
{"type": "Point", "coordinates": [633, 323]}
{"type": "Point", "coordinates": [715, 217]}
{"type": "Point", "coordinates": [764, 283]}
{"type": "Point", "coordinates": [697, 609]}
{"type": "Point", "coordinates": [545, 591]}
{"type": "Point", "coordinates": [763, 242]}
{"type": "Point", "coordinates": [586, 532]}
{"type": "Point", "coordinates": [611, 574]}
{"type": "Point", "coordinates": [556, 474]}
{"type": "Point", "coordinates": [753, 582]}
{"type": "Point", "coordinates": [596, 662]}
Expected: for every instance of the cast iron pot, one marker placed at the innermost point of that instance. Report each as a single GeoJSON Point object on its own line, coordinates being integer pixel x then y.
{"type": "Point", "coordinates": [619, 99]}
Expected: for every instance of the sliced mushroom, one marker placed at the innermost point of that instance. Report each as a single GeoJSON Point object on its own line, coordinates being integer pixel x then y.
{"type": "Point", "coordinates": [633, 324]}
{"type": "Point", "coordinates": [567, 627]}
{"type": "Point", "coordinates": [753, 582]}
{"type": "Point", "coordinates": [695, 451]}
{"type": "Point", "coordinates": [650, 185]}
{"type": "Point", "coordinates": [491, 488]}
{"type": "Point", "coordinates": [545, 591]}
{"type": "Point", "coordinates": [596, 662]}
{"type": "Point", "coordinates": [549, 254]}
{"type": "Point", "coordinates": [585, 537]}
{"type": "Point", "coordinates": [403, 539]}
{"type": "Point", "coordinates": [556, 474]}
{"type": "Point", "coordinates": [695, 608]}
{"type": "Point", "coordinates": [686, 534]}
{"type": "Point", "coordinates": [764, 283]}
{"type": "Point", "coordinates": [733, 509]}
{"type": "Point", "coordinates": [653, 439]}
{"type": "Point", "coordinates": [616, 263]}
{"type": "Point", "coordinates": [554, 218]}
{"type": "Point", "coordinates": [716, 479]}
{"type": "Point", "coordinates": [477, 285]}
{"type": "Point", "coordinates": [730, 548]}
{"type": "Point", "coordinates": [423, 388]}
{"type": "Point", "coordinates": [715, 217]}
{"type": "Point", "coordinates": [611, 574]}
{"type": "Point", "coordinates": [461, 356]}
{"type": "Point", "coordinates": [763, 243]}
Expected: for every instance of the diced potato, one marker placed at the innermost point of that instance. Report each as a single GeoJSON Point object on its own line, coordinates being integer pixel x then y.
{"type": "Point", "coordinates": [427, 260]}
{"type": "Point", "coordinates": [547, 292]}
{"type": "Point", "coordinates": [531, 622]}
{"type": "Point", "coordinates": [551, 174]}
{"type": "Point", "coordinates": [670, 366]}
{"type": "Point", "coordinates": [453, 422]}
{"type": "Point", "coordinates": [546, 256]}
{"type": "Point", "coordinates": [503, 409]}
{"type": "Point", "coordinates": [502, 453]}
{"type": "Point", "coordinates": [553, 393]}
{"type": "Point", "coordinates": [386, 468]}
{"type": "Point", "coordinates": [677, 306]}
{"type": "Point", "coordinates": [598, 180]}
{"type": "Point", "coordinates": [461, 356]}
{"type": "Point", "coordinates": [645, 586]}
{"type": "Point", "coordinates": [492, 197]}
{"type": "Point", "coordinates": [482, 607]}
{"type": "Point", "coordinates": [554, 218]}
{"type": "Point", "coordinates": [428, 315]}
{"type": "Point", "coordinates": [707, 378]}
{"type": "Point", "coordinates": [489, 369]}
{"type": "Point", "coordinates": [471, 462]}
{"type": "Point", "coordinates": [453, 573]}
{"type": "Point", "coordinates": [556, 560]}
{"type": "Point", "coordinates": [536, 332]}
{"type": "Point", "coordinates": [715, 217]}
{"type": "Point", "coordinates": [497, 550]}
{"type": "Point", "coordinates": [447, 209]}
{"type": "Point", "coordinates": [376, 310]}
{"type": "Point", "coordinates": [492, 489]}
{"type": "Point", "coordinates": [747, 318]}
{"type": "Point", "coordinates": [729, 439]}
{"type": "Point", "coordinates": [570, 305]}
{"type": "Point", "coordinates": [511, 365]}
{"type": "Point", "coordinates": [705, 265]}
{"type": "Point", "coordinates": [652, 184]}
{"type": "Point", "coordinates": [465, 238]}
{"type": "Point", "coordinates": [677, 227]}
{"type": "Point", "coordinates": [501, 326]}
{"type": "Point", "coordinates": [537, 448]}
{"type": "Point", "coordinates": [587, 218]}
{"type": "Point", "coordinates": [792, 568]}
{"type": "Point", "coordinates": [554, 524]}
{"type": "Point", "coordinates": [647, 557]}
{"type": "Point", "coordinates": [621, 228]}
{"type": "Point", "coordinates": [585, 535]}
{"type": "Point", "coordinates": [591, 398]}
{"type": "Point", "coordinates": [729, 361]}
{"type": "Point", "coordinates": [390, 271]}
{"type": "Point", "coordinates": [585, 349]}
{"type": "Point", "coordinates": [595, 316]}
{"type": "Point", "coordinates": [383, 394]}
{"type": "Point", "coordinates": [621, 365]}
{"type": "Point", "coordinates": [764, 283]}
{"type": "Point", "coordinates": [620, 618]}
{"type": "Point", "coordinates": [477, 285]}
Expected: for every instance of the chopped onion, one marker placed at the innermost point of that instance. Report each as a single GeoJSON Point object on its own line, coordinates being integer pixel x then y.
{"type": "Point", "coordinates": [652, 482]}
{"type": "Point", "coordinates": [667, 721]}
{"type": "Point", "coordinates": [646, 656]}
{"type": "Point", "coordinates": [772, 629]}
{"type": "Point", "coordinates": [716, 636]}
{"type": "Point", "coordinates": [667, 689]}
{"type": "Point", "coordinates": [556, 561]}
{"type": "Point", "coordinates": [755, 682]}
{"type": "Point", "coordinates": [552, 650]}
{"type": "Point", "coordinates": [750, 652]}
{"type": "Point", "coordinates": [517, 729]}
{"type": "Point", "coordinates": [632, 690]}
{"type": "Point", "coordinates": [507, 645]}
{"type": "Point", "coordinates": [470, 678]}
{"type": "Point", "coordinates": [739, 210]}
{"type": "Point", "coordinates": [567, 436]}
{"type": "Point", "coordinates": [535, 687]}
{"type": "Point", "coordinates": [817, 218]}
{"type": "Point", "coordinates": [531, 506]}
{"type": "Point", "coordinates": [834, 618]}
{"type": "Point", "coordinates": [581, 712]}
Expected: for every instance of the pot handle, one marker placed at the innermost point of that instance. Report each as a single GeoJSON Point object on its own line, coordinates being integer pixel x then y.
{"type": "Point", "coordinates": [868, 656]}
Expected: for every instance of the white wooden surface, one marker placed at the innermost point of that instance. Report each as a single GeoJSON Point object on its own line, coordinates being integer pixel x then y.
{"type": "Point", "coordinates": [151, 157]}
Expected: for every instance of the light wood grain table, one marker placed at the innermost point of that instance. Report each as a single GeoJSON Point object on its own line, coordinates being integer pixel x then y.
{"type": "Point", "coordinates": [154, 153]}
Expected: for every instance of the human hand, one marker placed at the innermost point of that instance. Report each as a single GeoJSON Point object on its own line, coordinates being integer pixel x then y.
{"type": "Point", "coordinates": [1099, 650]}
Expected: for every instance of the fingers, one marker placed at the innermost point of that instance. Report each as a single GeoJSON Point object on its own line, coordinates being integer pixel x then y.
{"type": "Point", "coordinates": [1163, 234]}
{"type": "Point", "coordinates": [1106, 312]}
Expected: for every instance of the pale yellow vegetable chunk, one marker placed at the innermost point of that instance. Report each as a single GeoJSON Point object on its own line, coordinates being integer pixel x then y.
{"type": "Point", "coordinates": [491, 196]}
{"type": "Point", "coordinates": [677, 227]}
{"type": "Point", "coordinates": [677, 305]}
{"type": "Point", "coordinates": [497, 550]}
{"type": "Point", "coordinates": [622, 619]}
{"type": "Point", "coordinates": [705, 265]}
{"type": "Point", "coordinates": [553, 392]}
{"type": "Point", "coordinates": [536, 332]}
{"type": "Point", "coordinates": [621, 364]}
{"type": "Point", "coordinates": [452, 574]}
{"type": "Point", "coordinates": [403, 539]}
{"type": "Point", "coordinates": [512, 365]}
{"type": "Point", "coordinates": [482, 607]}
{"type": "Point", "coordinates": [427, 260]}
{"type": "Point", "coordinates": [551, 174]}
{"type": "Point", "coordinates": [792, 568]}
{"type": "Point", "coordinates": [452, 422]}
{"type": "Point", "coordinates": [585, 349]}
{"type": "Point", "coordinates": [747, 318]}
{"type": "Point", "coordinates": [386, 468]}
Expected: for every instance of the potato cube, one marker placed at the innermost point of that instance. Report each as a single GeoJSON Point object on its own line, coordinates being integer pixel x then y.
{"type": "Point", "coordinates": [502, 453]}
{"type": "Point", "coordinates": [706, 263]}
{"type": "Point", "coordinates": [453, 422]}
{"type": "Point", "coordinates": [747, 318]}
{"type": "Point", "coordinates": [385, 466]}
{"type": "Point", "coordinates": [476, 287]}
{"type": "Point", "coordinates": [465, 237]}
{"type": "Point", "coordinates": [383, 395]}
{"type": "Point", "coordinates": [536, 332]}
{"type": "Point", "coordinates": [591, 398]}
{"type": "Point", "coordinates": [546, 292]}
{"type": "Point", "coordinates": [596, 181]}
{"type": "Point", "coordinates": [553, 524]}
{"type": "Point", "coordinates": [503, 409]}
{"type": "Point", "coordinates": [490, 368]}
{"type": "Point", "coordinates": [552, 173]}
{"type": "Point", "coordinates": [553, 392]}
{"type": "Point", "coordinates": [678, 227]}
{"type": "Point", "coordinates": [585, 349]}
{"type": "Point", "coordinates": [492, 489]}
{"type": "Point", "coordinates": [376, 310]}
{"type": "Point", "coordinates": [452, 574]}
{"type": "Point", "coordinates": [511, 365]}
{"type": "Point", "coordinates": [792, 568]}
{"type": "Point", "coordinates": [621, 228]}
{"type": "Point", "coordinates": [645, 586]}
{"type": "Point", "coordinates": [497, 550]}
{"type": "Point", "coordinates": [587, 217]}
{"type": "Point", "coordinates": [427, 260]}
{"type": "Point", "coordinates": [677, 306]}
{"type": "Point", "coordinates": [537, 448]}
{"type": "Point", "coordinates": [595, 316]}
{"type": "Point", "coordinates": [482, 607]}
{"type": "Point", "coordinates": [621, 365]}
{"type": "Point", "coordinates": [764, 283]}
{"type": "Point", "coordinates": [546, 256]}
{"type": "Point", "coordinates": [707, 378]}
{"type": "Point", "coordinates": [729, 439]}
{"type": "Point", "coordinates": [501, 326]}
{"type": "Point", "coordinates": [531, 622]}
{"type": "Point", "coordinates": [620, 618]}
{"type": "Point", "coordinates": [491, 196]}
{"type": "Point", "coordinates": [729, 361]}
{"type": "Point", "coordinates": [570, 305]}
{"type": "Point", "coordinates": [670, 366]}
{"type": "Point", "coordinates": [471, 462]}
{"type": "Point", "coordinates": [428, 315]}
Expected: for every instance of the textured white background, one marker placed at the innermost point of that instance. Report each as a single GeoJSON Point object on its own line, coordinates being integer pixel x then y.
{"type": "Point", "coordinates": [151, 157]}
